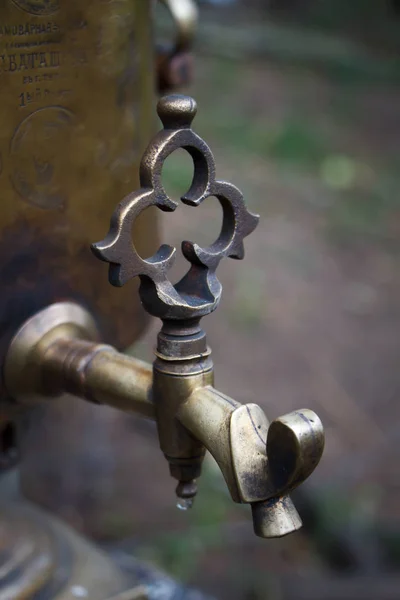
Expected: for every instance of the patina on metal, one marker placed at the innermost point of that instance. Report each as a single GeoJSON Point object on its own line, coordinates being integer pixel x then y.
{"type": "Point", "coordinates": [56, 351]}
{"type": "Point", "coordinates": [77, 93]}
{"type": "Point", "coordinates": [199, 291]}
{"type": "Point", "coordinates": [77, 90]}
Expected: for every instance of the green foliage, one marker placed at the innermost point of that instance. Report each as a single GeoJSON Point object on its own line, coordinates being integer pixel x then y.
{"type": "Point", "coordinates": [337, 14]}
{"type": "Point", "coordinates": [177, 173]}
{"type": "Point", "coordinates": [357, 214]}
{"type": "Point", "coordinates": [366, 215]}
{"type": "Point", "coordinates": [247, 307]}
{"type": "Point", "coordinates": [298, 142]}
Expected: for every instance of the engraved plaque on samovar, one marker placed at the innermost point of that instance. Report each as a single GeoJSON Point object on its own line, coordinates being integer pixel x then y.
{"type": "Point", "coordinates": [76, 98]}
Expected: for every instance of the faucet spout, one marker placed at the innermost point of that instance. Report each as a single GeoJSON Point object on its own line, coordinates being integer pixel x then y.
{"type": "Point", "coordinates": [275, 517]}
{"type": "Point", "coordinates": [261, 462]}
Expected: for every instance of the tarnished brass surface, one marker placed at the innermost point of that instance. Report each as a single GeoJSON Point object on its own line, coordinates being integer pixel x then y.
{"type": "Point", "coordinates": [76, 92]}
{"type": "Point", "coordinates": [257, 471]}
{"type": "Point", "coordinates": [99, 374]}
{"type": "Point", "coordinates": [42, 558]}
{"type": "Point", "coordinates": [54, 352]}
{"type": "Point", "coordinates": [275, 517]}
{"type": "Point", "coordinates": [261, 462]}
{"type": "Point", "coordinates": [199, 291]}
{"type": "Point", "coordinates": [22, 368]}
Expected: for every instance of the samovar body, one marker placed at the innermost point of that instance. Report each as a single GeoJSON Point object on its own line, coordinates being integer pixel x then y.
{"type": "Point", "coordinates": [77, 91]}
{"type": "Point", "coordinates": [76, 96]}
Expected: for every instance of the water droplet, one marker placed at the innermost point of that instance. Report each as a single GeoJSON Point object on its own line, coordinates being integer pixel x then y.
{"type": "Point", "coordinates": [184, 503]}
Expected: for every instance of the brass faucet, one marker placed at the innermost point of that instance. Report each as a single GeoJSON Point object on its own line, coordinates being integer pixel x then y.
{"type": "Point", "coordinates": [57, 350]}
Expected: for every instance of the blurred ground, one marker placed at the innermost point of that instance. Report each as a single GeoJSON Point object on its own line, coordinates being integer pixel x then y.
{"type": "Point", "coordinates": [311, 318]}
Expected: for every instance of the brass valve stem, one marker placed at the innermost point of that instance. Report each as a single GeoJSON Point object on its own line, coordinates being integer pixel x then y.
{"type": "Point", "coordinates": [183, 364]}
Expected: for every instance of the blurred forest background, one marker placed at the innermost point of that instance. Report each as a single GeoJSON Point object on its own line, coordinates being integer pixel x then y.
{"type": "Point", "coordinates": [300, 102]}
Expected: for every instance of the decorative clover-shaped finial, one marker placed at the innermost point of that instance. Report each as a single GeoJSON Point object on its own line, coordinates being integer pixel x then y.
{"type": "Point", "coordinates": [199, 291]}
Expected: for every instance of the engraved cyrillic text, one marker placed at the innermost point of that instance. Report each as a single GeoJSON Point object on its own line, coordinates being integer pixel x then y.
{"type": "Point", "coordinates": [24, 61]}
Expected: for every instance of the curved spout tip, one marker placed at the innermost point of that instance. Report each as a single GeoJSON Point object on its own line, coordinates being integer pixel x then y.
{"type": "Point", "coordinates": [275, 517]}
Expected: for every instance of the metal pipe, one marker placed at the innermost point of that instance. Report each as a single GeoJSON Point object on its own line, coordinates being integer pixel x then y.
{"type": "Point", "coordinates": [100, 374]}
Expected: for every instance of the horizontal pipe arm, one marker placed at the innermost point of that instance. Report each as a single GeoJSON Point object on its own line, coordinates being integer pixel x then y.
{"type": "Point", "coordinates": [99, 374]}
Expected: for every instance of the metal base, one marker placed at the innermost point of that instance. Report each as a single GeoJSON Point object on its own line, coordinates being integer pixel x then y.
{"type": "Point", "coordinates": [41, 557]}
{"type": "Point", "coordinates": [22, 365]}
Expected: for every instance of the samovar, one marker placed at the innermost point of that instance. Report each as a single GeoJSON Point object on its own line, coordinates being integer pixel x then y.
{"type": "Point", "coordinates": [78, 83]}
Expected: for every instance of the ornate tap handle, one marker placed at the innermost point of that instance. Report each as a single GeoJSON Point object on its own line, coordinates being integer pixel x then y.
{"type": "Point", "coordinates": [199, 291]}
